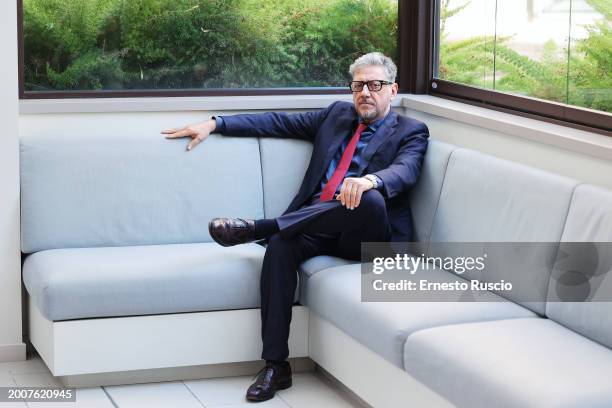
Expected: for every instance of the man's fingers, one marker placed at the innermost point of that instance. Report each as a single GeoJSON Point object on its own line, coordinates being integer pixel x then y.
{"type": "Point", "coordinates": [341, 194]}
{"type": "Point", "coordinates": [351, 196]}
{"type": "Point", "coordinates": [193, 143]}
{"type": "Point", "coordinates": [358, 197]}
{"type": "Point", "coordinates": [354, 194]}
{"type": "Point", "coordinates": [170, 131]}
{"type": "Point", "coordinates": [182, 133]}
{"type": "Point", "coordinates": [338, 197]}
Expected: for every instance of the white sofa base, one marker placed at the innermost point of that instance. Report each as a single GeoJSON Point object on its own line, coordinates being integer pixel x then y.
{"type": "Point", "coordinates": [136, 349]}
{"type": "Point", "coordinates": [116, 344]}
{"type": "Point", "coordinates": [375, 380]}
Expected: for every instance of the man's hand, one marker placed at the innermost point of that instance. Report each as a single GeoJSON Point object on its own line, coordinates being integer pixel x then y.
{"type": "Point", "coordinates": [351, 191]}
{"type": "Point", "coordinates": [198, 132]}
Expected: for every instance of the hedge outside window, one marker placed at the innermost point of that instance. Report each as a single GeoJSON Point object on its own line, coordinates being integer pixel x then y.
{"type": "Point", "coordinates": [80, 45]}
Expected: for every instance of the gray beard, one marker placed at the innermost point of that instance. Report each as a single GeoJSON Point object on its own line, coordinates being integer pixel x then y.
{"type": "Point", "coordinates": [368, 116]}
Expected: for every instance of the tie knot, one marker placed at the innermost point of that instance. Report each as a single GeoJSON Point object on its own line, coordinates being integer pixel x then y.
{"type": "Point", "coordinates": [361, 127]}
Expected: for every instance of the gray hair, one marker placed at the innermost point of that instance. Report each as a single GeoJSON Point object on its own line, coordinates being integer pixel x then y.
{"type": "Point", "coordinates": [375, 58]}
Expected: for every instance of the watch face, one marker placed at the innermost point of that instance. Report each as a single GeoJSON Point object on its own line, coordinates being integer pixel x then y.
{"type": "Point", "coordinates": [373, 180]}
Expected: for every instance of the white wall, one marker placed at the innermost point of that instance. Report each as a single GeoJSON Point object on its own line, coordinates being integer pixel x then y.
{"type": "Point", "coordinates": [11, 345]}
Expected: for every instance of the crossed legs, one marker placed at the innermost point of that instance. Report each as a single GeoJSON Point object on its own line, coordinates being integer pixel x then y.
{"type": "Point", "coordinates": [322, 228]}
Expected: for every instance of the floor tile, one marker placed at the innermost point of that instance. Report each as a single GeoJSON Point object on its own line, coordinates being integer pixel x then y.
{"type": "Point", "coordinates": [275, 402]}
{"type": "Point", "coordinates": [229, 392]}
{"type": "Point", "coordinates": [85, 397]}
{"type": "Point", "coordinates": [37, 380]}
{"type": "Point", "coordinates": [309, 391]}
{"type": "Point", "coordinates": [6, 379]}
{"type": "Point", "coordinates": [153, 395]}
{"type": "Point", "coordinates": [13, 405]}
{"type": "Point", "coordinates": [217, 391]}
{"type": "Point", "coordinates": [91, 398]}
{"type": "Point", "coordinates": [33, 364]}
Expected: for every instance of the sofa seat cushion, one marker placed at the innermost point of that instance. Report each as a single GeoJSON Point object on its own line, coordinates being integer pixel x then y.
{"type": "Point", "coordinates": [335, 295]}
{"type": "Point", "coordinates": [511, 363]}
{"type": "Point", "coordinates": [317, 264]}
{"type": "Point", "coordinates": [140, 280]}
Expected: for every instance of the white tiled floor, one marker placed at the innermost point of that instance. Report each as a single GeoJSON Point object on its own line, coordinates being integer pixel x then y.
{"type": "Point", "coordinates": [307, 391]}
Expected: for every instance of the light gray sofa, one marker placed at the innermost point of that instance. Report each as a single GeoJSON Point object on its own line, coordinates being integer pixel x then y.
{"type": "Point", "coordinates": [116, 231]}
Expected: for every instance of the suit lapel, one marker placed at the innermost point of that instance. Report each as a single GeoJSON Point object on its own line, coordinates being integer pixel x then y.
{"type": "Point", "coordinates": [384, 132]}
{"type": "Point", "coordinates": [345, 124]}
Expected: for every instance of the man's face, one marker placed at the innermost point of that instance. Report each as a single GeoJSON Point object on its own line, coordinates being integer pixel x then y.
{"type": "Point", "coordinates": [371, 105]}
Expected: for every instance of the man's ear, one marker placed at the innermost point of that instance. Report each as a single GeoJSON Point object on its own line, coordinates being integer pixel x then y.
{"type": "Point", "coordinates": [394, 88]}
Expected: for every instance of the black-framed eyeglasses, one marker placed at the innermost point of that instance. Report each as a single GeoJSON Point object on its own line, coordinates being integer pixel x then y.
{"type": "Point", "coordinates": [373, 86]}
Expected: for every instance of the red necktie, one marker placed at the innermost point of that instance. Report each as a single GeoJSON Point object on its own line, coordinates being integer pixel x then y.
{"type": "Point", "coordinates": [336, 178]}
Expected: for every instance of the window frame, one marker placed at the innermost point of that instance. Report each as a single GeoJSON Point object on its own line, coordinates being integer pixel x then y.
{"type": "Point", "coordinates": [548, 111]}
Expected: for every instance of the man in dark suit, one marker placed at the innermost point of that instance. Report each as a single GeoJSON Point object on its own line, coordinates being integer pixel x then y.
{"type": "Point", "coordinates": [365, 159]}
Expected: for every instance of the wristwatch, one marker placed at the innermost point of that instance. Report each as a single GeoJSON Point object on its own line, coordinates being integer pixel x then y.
{"type": "Point", "coordinates": [373, 179]}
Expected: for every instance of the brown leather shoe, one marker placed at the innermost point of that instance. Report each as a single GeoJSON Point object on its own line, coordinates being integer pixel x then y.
{"type": "Point", "coordinates": [271, 378]}
{"type": "Point", "coordinates": [231, 231]}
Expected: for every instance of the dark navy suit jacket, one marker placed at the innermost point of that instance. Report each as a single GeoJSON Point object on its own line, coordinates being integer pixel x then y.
{"type": "Point", "coordinates": [394, 154]}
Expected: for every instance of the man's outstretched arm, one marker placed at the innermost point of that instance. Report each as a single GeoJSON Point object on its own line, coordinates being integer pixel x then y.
{"type": "Point", "coordinates": [276, 124]}
{"type": "Point", "coordinates": [297, 126]}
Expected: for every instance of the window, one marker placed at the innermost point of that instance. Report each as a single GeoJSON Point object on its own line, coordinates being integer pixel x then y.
{"type": "Point", "coordinates": [71, 46]}
{"type": "Point", "coordinates": [553, 50]}
{"type": "Point", "coordinates": [548, 59]}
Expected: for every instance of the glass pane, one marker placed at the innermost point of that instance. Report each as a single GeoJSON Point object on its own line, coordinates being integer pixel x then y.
{"type": "Point", "coordinates": [531, 49]}
{"type": "Point", "coordinates": [590, 64]}
{"type": "Point", "coordinates": [466, 39]}
{"type": "Point", "coordinates": [523, 47]}
{"type": "Point", "coordinates": [186, 44]}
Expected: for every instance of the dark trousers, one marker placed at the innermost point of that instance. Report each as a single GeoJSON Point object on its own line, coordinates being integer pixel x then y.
{"type": "Point", "coordinates": [325, 228]}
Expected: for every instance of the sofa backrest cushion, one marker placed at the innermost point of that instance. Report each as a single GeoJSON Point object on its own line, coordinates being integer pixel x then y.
{"type": "Point", "coordinates": [485, 199]}
{"type": "Point", "coordinates": [133, 189]}
{"type": "Point", "coordinates": [589, 220]}
{"type": "Point", "coordinates": [425, 194]}
{"type": "Point", "coordinates": [283, 165]}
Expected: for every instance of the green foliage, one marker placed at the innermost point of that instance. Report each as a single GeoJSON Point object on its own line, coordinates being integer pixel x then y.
{"type": "Point", "coordinates": [93, 70]}
{"type": "Point", "coordinates": [144, 44]}
{"type": "Point", "coordinates": [54, 34]}
{"type": "Point", "coordinates": [325, 38]}
{"type": "Point", "coordinates": [591, 83]}
{"type": "Point", "coordinates": [488, 62]}
{"type": "Point", "coordinates": [153, 44]}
